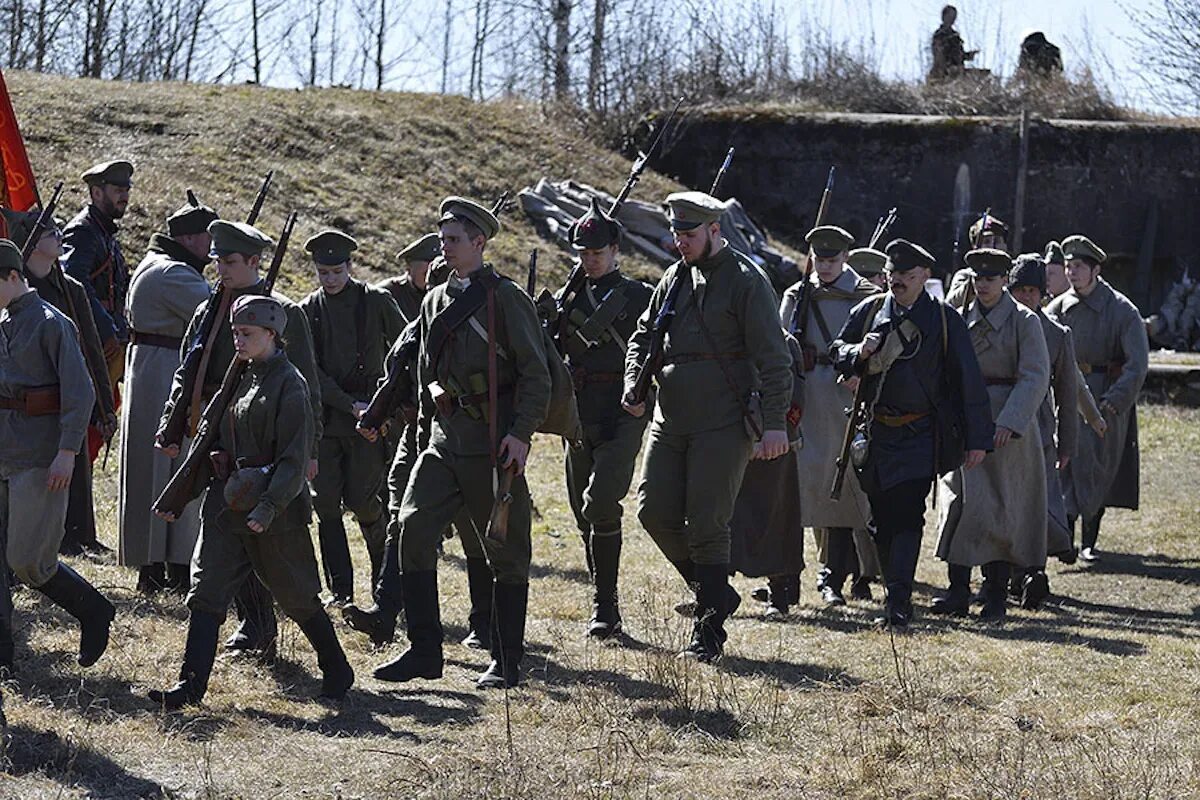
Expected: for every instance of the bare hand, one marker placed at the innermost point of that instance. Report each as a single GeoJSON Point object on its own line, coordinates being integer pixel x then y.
{"type": "Point", "coordinates": [974, 458]}
{"type": "Point", "coordinates": [311, 472]}
{"type": "Point", "coordinates": [1100, 426]}
{"type": "Point", "coordinates": [255, 526]}
{"type": "Point", "coordinates": [58, 477]}
{"type": "Point", "coordinates": [1003, 436]}
{"type": "Point", "coordinates": [513, 453]}
{"type": "Point", "coordinates": [358, 409]}
{"type": "Point", "coordinates": [869, 345]}
{"type": "Point", "coordinates": [851, 383]}
{"type": "Point", "coordinates": [170, 450]}
{"type": "Point", "coordinates": [165, 515]}
{"type": "Point", "coordinates": [773, 445]}
{"type": "Point", "coordinates": [634, 409]}
{"type": "Point", "coordinates": [108, 427]}
{"type": "Point", "coordinates": [370, 434]}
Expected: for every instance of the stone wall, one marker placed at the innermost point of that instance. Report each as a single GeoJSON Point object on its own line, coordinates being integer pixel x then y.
{"type": "Point", "coordinates": [1133, 188]}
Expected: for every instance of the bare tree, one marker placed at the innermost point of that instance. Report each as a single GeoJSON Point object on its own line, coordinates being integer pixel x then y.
{"type": "Point", "coordinates": [596, 55]}
{"type": "Point", "coordinates": [447, 24]}
{"type": "Point", "coordinates": [560, 17]}
{"type": "Point", "coordinates": [1167, 43]}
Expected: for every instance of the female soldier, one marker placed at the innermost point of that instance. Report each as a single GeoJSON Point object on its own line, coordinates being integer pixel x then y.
{"type": "Point", "coordinates": [256, 511]}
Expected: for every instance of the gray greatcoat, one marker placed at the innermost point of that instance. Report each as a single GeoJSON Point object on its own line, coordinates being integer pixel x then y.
{"type": "Point", "coordinates": [163, 295]}
{"type": "Point", "coordinates": [1114, 354]}
{"type": "Point", "coordinates": [1058, 422]}
{"type": "Point", "coordinates": [825, 402]}
{"type": "Point", "coordinates": [997, 511]}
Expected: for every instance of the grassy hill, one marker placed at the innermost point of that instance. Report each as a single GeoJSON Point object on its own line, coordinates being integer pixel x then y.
{"type": "Point", "coordinates": [375, 165]}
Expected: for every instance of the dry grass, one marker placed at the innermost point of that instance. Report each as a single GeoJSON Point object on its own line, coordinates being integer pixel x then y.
{"type": "Point", "coordinates": [1093, 697]}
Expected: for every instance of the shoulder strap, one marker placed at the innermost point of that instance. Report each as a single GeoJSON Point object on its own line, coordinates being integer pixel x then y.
{"type": "Point", "coordinates": [360, 332]}
{"type": "Point", "coordinates": [820, 318]}
{"type": "Point", "coordinates": [729, 381]}
{"type": "Point", "coordinates": [446, 321]}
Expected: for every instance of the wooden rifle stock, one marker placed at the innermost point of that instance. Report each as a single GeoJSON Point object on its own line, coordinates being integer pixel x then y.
{"type": "Point", "coordinates": [44, 220]}
{"type": "Point", "coordinates": [852, 423]}
{"type": "Point", "coordinates": [800, 314]}
{"type": "Point", "coordinates": [497, 529]}
{"type": "Point", "coordinates": [658, 339]}
{"type": "Point", "coordinates": [260, 198]}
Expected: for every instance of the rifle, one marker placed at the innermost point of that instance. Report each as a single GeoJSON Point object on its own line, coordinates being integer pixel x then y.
{"type": "Point", "coordinates": [639, 163]}
{"type": "Point", "coordinates": [881, 227]}
{"type": "Point", "coordinates": [180, 490]}
{"type": "Point", "coordinates": [185, 413]}
{"type": "Point", "coordinates": [43, 222]}
{"type": "Point", "coordinates": [969, 291]}
{"type": "Point", "coordinates": [531, 281]}
{"type": "Point", "coordinates": [497, 529]}
{"type": "Point", "coordinates": [804, 300]}
{"type": "Point", "coordinates": [721, 173]}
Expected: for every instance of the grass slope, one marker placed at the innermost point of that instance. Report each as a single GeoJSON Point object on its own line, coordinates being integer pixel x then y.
{"type": "Point", "coordinates": [373, 164]}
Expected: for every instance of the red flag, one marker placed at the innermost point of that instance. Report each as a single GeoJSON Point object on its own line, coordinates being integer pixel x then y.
{"type": "Point", "coordinates": [18, 190]}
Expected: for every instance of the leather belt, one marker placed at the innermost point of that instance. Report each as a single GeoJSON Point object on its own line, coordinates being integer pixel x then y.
{"type": "Point", "coordinates": [156, 340]}
{"type": "Point", "coordinates": [899, 420]}
{"type": "Point", "coordinates": [688, 358]}
{"type": "Point", "coordinates": [38, 402]}
{"type": "Point", "coordinates": [477, 400]}
{"type": "Point", "coordinates": [583, 376]}
{"type": "Point", "coordinates": [1112, 369]}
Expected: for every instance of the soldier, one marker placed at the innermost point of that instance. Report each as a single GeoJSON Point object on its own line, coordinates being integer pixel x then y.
{"type": "Point", "coordinates": [724, 345]}
{"type": "Point", "coordinates": [238, 249]}
{"type": "Point", "coordinates": [868, 263]}
{"type": "Point", "coordinates": [1056, 271]}
{"type": "Point", "coordinates": [166, 289]}
{"type": "Point", "coordinates": [1113, 352]}
{"type": "Point", "coordinates": [987, 232]}
{"type": "Point", "coordinates": [597, 322]}
{"type": "Point", "coordinates": [930, 410]}
{"type": "Point", "coordinates": [353, 326]}
{"type": "Point", "coordinates": [1058, 422]}
{"type": "Point", "coordinates": [997, 518]}
{"type": "Point", "coordinates": [256, 507]}
{"type": "Point", "coordinates": [44, 273]}
{"type": "Point", "coordinates": [835, 290]}
{"type": "Point", "coordinates": [409, 289]}
{"type": "Point", "coordinates": [46, 400]}
{"type": "Point", "coordinates": [485, 390]}
{"type": "Point", "coordinates": [1039, 58]}
{"type": "Point", "coordinates": [949, 55]}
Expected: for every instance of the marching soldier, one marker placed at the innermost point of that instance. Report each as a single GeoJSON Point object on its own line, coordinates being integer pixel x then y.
{"type": "Point", "coordinates": [724, 345]}
{"type": "Point", "coordinates": [44, 273]}
{"type": "Point", "coordinates": [598, 321]}
{"type": "Point", "coordinates": [1058, 422]}
{"type": "Point", "coordinates": [353, 326]}
{"type": "Point", "coordinates": [930, 410]}
{"type": "Point", "coordinates": [256, 507]}
{"type": "Point", "coordinates": [1056, 271]}
{"type": "Point", "coordinates": [868, 263]}
{"type": "Point", "coordinates": [238, 248]}
{"type": "Point", "coordinates": [996, 518]}
{"type": "Point", "coordinates": [46, 400]}
{"type": "Point", "coordinates": [986, 233]}
{"type": "Point", "coordinates": [166, 289]}
{"type": "Point", "coordinates": [485, 389]}
{"type": "Point", "coordinates": [92, 255]}
{"type": "Point", "coordinates": [409, 288]}
{"type": "Point", "coordinates": [834, 290]}
{"type": "Point", "coordinates": [1113, 352]}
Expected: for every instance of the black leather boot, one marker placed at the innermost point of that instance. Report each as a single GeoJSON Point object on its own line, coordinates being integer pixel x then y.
{"type": "Point", "coordinates": [152, 579]}
{"type": "Point", "coordinates": [712, 609]}
{"type": "Point", "coordinates": [957, 600]}
{"type": "Point", "coordinates": [336, 675]}
{"type": "Point", "coordinates": [257, 635]}
{"type": "Point", "coordinates": [784, 592]}
{"type": "Point", "coordinates": [379, 620]}
{"type": "Point", "coordinates": [508, 637]}
{"type": "Point", "coordinates": [1035, 588]}
{"type": "Point", "coordinates": [375, 537]}
{"type": "Point", "coordinates": [687, 570]}
{"type": "Point", "coordinates": [77, 597]}
{"type": "Point", "coordinates": [604, 560]}
{"type": "Point", "coordinates": [479, 620]}
{"type": "Point", "coordinates": [335, 559]}
{"type": "Point", "coordinates": [198, 656]}
{"type": "Point", "coordinates": [423, 658]}
{"type": "Point", "coordinates": [1091, 533]}
{"type": "Point", "coordinates": [995, 591]}
{"type": "Point", "coordinates": [179, 579]}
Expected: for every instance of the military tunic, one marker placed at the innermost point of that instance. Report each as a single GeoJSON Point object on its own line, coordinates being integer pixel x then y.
{"type": "Point", "coordinates": [1113, 352]}
{"type": "Point", "coordinates": [92, 255]}
{"type": "Point", "coordinates": [600, 469]}
{"type": "Point", "coordinates": [38, 348]}
{"type": "Point", "coordinates": [408, 295]}
{"type": "Point", "coordinates": [698, 451]}
{"type": "Point", "coordinates": [166, 290]}
{"type": "Point", "coordinates": [997, 511]}
{"type": "Point", "coordinates": [455, 470]}
{"type": "Point", "coordinates": [269, 426]}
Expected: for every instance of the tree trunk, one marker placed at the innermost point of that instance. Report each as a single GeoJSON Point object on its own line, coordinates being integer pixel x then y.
{"type": "Point", "coordinates": [560, 15]}
{"type": "Point", "coordinates": [446, 46]}
{"type": "Point", "coordinates": [380, 39]}
{"type": "Point", "coordinates": [257, 51]}
{"type": "Point", "coordinates": [596, 55]}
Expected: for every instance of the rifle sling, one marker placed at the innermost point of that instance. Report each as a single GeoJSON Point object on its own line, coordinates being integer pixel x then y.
{"type": "Point", "coordinates": [197, 400]}
{"type": "Point", "coordinates": [460, 310]}
{"type": "Point", "coordinates": [603, 315]}
{"type": "Point", "coordinates": [316, 313]}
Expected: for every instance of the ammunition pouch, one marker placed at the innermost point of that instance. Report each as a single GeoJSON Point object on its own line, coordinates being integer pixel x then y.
{"type": "Point", "coordinates": [41, 401]}
{"type": "Point", "coordinates": [222, 464]}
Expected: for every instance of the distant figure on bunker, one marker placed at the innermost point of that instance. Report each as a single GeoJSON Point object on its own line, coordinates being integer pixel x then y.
{"type": "Point", "coordinates": [1039, 58]}
{"type": "Point", "coordinates": [949, 57]}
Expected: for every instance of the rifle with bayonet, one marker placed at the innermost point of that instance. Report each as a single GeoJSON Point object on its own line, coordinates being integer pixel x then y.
{"type": "Point", "coordinates": [185, 414]}
{"type": "Point", "coordinates": [856, 414]}
{"type": "Point", "coordinates": [183, 484]}
{"type": "Point", "coordinates": [576, 277]}
{"type": "Point", "coordinates": [716, 184]}
{"type": "Point", "coordinates": [799, 319]}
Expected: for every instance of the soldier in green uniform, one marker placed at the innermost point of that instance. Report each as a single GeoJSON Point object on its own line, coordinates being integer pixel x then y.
{"type": "Point", "coordinates": [46, 400]}
{"type": "Point", "coordinates": [724, 347]}
{"type": "Point", "coordinates": [485, 389]}
{"type": "Point", "coordinates": [256, 507]}
{"type": "Point", "coordinates": [868, 262]}
{"type": "Point", "coordinates": [238, 250]}
{"type": "Point", "coordinates": [409, 289]}
{"type": "Point", "coordinates": [353, 326]}
{"type": "Point", "coordinates": [949, 54]}
{"type": "Point", "coordinates": [594, 329]}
